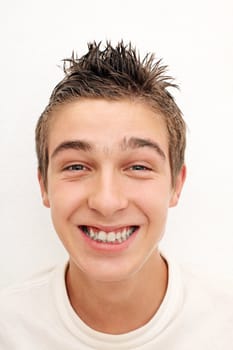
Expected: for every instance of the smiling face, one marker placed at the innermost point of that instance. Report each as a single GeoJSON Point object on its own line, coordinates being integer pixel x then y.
{"type": "Point", "coordinates": [109, 185]}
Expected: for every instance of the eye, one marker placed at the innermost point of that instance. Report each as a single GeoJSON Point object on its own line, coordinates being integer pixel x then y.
{"type": "Point", "coordinates": [139, 167]}
{"type": "Point", "coordinates": [140, 171]}
{"type": "Point", "coordinates": [75, 167]}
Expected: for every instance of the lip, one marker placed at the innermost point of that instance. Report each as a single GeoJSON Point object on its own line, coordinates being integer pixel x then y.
{"type": "Point", "coordinates": [109, 247]}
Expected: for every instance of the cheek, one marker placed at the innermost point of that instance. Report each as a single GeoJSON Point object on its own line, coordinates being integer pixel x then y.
{"type": "Point", "coordinates": [154, 204]}
{"type": "Point", "coordinates": [65, 199]}
{"type": "Point", "coordinates": [154, 199]}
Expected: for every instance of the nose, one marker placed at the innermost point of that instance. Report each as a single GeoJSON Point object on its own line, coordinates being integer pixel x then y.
{"type": "Point", "coordinates": [107, 196]}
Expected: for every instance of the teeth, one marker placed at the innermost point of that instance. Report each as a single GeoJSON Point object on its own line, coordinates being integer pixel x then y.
{"type": "Point", "coordinates": [111, 237]}
{"type": "Point", "coordinates": [124, 234]}
{"type": "Point", "coordinates": [118, 237]}
{"type": "Point", "coordinates": [102, 236]}
{"type": "Point", "coordinates": [92, 233]}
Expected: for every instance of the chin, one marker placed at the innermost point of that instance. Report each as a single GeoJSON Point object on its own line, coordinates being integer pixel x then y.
{"type": "Point", "coordinates": [104, 272]}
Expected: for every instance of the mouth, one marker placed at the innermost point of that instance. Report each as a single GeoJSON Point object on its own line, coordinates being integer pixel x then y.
{"type": "Point", "coordinates": [113, 237]}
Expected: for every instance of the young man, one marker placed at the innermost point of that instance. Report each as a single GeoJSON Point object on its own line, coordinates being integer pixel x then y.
{"type": "Point", "coordinates": [110, 148]}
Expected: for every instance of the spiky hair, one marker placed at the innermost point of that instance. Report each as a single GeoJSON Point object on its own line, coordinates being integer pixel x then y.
{"type": "Point", "coordinates": [111, 71]}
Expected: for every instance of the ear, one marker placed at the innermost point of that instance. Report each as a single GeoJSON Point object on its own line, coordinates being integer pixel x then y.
{"type": "Point", "coordinates": [176, 191]}
{"type": "Point", "coordinates": [44, 193]}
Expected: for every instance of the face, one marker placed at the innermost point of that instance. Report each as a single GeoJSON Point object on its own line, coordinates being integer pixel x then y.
{"type": "Point", "coordinates": [109, 185]}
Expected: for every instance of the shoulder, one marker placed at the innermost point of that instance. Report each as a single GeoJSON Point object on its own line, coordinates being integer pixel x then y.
{"type": "Point", "coordinates": [201, 281]}
{"type": "Point", "coordinates": [209, 298]}
{"type": "Point", "coordinates": [28, 310]}
{"type": "Point", "coordinates": [32, 284]}
{"type": "Point", "coordinates": [205, 310]}
{"type": "Point", "coordinates": [28, 296]}
{"type": "Point", "coordinates": [198, 282]}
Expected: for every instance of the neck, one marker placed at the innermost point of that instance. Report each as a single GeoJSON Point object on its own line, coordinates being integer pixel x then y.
{"type": "Point", "coordinates": [118, 307]}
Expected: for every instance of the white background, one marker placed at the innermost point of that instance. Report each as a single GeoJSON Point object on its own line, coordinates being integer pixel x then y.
{"type": "Point", "coordinates": [195, 38]}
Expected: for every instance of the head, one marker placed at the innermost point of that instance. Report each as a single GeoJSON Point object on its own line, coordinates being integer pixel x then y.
{"type": "Point", "coordinates": [110, 146]}
{"type": "Point", "coordinates": [115, 73]}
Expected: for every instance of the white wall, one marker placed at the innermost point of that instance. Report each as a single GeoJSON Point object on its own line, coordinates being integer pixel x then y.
{"type": "Point", "coordinates": [195, 40]}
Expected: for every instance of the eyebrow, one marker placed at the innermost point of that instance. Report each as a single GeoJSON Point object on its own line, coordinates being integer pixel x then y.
{"type": "Point", "coordinates": [77, 145]}
{"type": "Point", "coordinates": [125, 144]}
{"type": "Point", "coordinates": [137, 142]}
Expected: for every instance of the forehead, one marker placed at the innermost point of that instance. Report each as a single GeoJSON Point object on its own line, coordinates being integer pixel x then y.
{"type": "Point", "coordinates": [106, 124]}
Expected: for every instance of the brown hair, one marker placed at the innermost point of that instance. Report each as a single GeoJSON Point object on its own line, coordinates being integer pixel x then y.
{"type": "Point", "coordinates": [116, 73]}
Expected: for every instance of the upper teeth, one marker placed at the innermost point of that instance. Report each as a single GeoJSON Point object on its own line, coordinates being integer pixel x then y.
{"type": "Point", "coordinates": [109, 237]}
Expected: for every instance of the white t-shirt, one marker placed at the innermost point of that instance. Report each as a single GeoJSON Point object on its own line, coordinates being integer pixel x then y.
{"type": "Point", "coordinates": [37, 315]}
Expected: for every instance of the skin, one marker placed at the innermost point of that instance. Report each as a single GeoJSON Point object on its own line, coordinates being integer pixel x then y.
{"type": "Point", "coordinates": [115, 173]}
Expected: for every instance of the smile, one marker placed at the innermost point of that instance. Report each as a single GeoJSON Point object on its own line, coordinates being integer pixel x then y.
{"type": "Point", "coordinates": [113, 237]}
